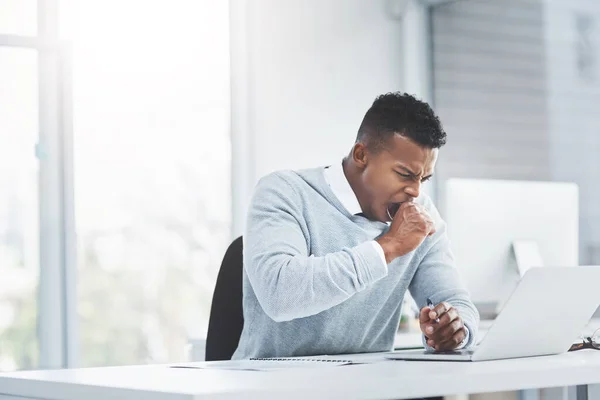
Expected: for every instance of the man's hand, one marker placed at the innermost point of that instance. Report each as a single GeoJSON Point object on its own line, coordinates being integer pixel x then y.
{"type": "Point", "coordinates": [448, 333]}
{"type": "Point", "coordinates": [411, 225]}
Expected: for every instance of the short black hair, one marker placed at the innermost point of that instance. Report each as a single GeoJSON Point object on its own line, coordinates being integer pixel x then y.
{"type": "Point", "coordinates": [403, 114]}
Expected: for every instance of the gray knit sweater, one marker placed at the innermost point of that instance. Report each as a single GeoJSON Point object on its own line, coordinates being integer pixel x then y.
{"type": "Point", "coordinates": [313, 282]}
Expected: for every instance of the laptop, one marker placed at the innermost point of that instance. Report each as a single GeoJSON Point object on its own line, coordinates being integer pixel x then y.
{"type": "Point", "coordinates": [544, 315]}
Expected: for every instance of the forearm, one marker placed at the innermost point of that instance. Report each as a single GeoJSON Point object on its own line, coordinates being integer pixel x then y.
{"type": "Point", "coordinates": [437, 278]}
{"type": "Point", "coordinates": [296, 286]}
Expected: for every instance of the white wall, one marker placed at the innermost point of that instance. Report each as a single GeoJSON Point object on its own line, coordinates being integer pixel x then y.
{"type": "Point", "coordinates": [303, 74]}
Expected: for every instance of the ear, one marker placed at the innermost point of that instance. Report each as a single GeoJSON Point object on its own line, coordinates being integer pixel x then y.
{"type": "Point", "coordinates": [360, 155]}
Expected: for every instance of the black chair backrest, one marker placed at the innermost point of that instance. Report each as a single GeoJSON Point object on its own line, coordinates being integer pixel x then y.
{"type": "Point", "coordinates": [226, 315]}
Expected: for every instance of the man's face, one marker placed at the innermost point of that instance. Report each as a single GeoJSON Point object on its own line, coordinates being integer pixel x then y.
{"type": "Point", "coordinates": [392, 175]}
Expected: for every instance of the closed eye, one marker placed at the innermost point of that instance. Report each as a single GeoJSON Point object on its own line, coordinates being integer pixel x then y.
{"type": "Point", "coordinates": [409, 176]}
{"type": "Point", "coordinates": [403, 175]}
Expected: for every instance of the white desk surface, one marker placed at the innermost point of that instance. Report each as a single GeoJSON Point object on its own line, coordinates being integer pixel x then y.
{"type": "Point", "coordinates": [391, 379]}
{"type": "Point", "coordinates": [384, 380]}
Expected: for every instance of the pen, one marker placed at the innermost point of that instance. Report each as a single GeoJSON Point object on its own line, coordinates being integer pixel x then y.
{"type": "Point", "coordinates": [430, 305]}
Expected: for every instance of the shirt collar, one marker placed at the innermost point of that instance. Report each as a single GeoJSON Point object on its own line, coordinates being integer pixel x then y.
{"type": "Point", "coordinates": [335, 177]}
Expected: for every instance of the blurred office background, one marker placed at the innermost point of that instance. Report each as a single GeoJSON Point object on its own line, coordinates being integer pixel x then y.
{"type": "Point", "coordinates": [132, 133]}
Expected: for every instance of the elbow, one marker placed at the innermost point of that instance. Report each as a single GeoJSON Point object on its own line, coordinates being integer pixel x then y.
{"type": "Point", "coordinates": [280, 317]}
{"type": "Point", "coordinates": [282, 306]}
{"type": "Point", "coordinates": [280, 313]}
{"type": "Point", "coordinates": [278, 297]}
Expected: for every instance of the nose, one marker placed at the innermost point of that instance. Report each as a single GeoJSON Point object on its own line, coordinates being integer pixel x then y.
{"type": "Point", "coordinates": [413, 190]}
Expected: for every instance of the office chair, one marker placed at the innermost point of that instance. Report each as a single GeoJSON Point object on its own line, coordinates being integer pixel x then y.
{"type": "Point", "coordinates": [226, 316]}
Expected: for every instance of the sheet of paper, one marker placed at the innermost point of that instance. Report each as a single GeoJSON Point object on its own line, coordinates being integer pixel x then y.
{"type": "Point", "coordinates": [287, 363]}
{"type": "Point", "coordinates": [262, 365]}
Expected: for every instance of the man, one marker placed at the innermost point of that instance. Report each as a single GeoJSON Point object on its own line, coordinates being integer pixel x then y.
{"type": "Point", "coordinates": [330, 252]}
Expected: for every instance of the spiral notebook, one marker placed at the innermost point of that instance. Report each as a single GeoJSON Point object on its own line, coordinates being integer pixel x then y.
{"type": "Point", "coordinates": [267, 364]}
{"type": "Point", "coordinates": [273, 364]}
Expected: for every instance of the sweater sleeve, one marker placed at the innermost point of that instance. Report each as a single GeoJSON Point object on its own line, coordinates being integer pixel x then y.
{"type": "Point", "coordinates": [289, 282]}
{"type": "Point", "coordinates": [437, 278]}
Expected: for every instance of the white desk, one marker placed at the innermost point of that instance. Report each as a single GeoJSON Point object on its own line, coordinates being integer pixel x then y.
{"type": "Point", "coordinates": [385, 380]}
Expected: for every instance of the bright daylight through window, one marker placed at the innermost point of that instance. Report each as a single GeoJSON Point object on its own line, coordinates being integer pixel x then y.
{"type": "Point", "coordinates": [151, 173]}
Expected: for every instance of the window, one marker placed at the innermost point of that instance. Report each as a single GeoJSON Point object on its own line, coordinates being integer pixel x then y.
{"type": "Point", "coordinates": [151, 172]}
{"type": "Point", "coordinates": [19, 223]}
{"type": "Point", "coordinates": [18, 17]}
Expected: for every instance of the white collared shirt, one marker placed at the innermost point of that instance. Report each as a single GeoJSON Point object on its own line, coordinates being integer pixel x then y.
{"type": "Point", "coordinates": [335, 177]}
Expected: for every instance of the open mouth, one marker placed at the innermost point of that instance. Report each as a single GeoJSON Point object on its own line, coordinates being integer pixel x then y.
{"type": "Point", "coordinates": [392, 209]}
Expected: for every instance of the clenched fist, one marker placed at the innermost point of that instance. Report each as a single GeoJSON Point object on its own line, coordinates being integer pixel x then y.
{"type": "Point", "coordinates": [410, 226]}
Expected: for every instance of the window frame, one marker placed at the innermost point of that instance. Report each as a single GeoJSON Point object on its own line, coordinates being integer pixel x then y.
{"type": "Point", "coordinates": [56, 292]}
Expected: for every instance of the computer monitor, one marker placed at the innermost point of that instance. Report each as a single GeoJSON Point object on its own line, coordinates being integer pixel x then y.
{"type": "Point", "coordinates": [485, 217]}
